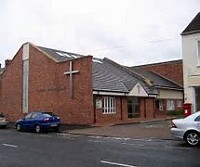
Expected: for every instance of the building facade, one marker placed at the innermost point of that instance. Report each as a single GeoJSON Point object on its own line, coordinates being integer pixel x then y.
{"type": "Point", "coordinates": [167, 78]}
{"type": "Point", "coordinates": [80, 89]}
{"type": "Point", "coordinates": [191, 63]}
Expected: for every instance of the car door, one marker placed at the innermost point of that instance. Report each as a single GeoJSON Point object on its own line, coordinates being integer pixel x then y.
{"type": "Point", "coordinates": [26, 121]}
{"type": "Point", "coordinates": [34, 120]}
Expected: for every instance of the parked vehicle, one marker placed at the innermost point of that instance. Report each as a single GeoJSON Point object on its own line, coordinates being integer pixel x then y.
{"type": "Point", "coordinates": [3, 122]}
{"type": "Point", "coordinates": [38, 121]}
{"type": "Point", "coordinates": [187, 129]}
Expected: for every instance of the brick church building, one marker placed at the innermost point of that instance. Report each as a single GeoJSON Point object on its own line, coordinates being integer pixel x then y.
{"type": "Point", "coordinates": [80, 89]}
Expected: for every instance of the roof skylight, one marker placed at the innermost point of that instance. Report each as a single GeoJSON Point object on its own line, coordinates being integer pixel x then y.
{"type": "Point", "coordinates": [63, 54]}
{"type": "Point", "coordinates": [97, 61]}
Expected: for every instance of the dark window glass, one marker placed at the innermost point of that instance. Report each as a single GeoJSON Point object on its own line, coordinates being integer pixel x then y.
{"type": "Point", "coordinates": [28, 116]}
{"type": "Point", "coordinates": [197, 119]}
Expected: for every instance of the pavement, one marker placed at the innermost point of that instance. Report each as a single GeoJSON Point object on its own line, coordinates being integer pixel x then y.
{"type": "Point", "coordinates": [156, 128]}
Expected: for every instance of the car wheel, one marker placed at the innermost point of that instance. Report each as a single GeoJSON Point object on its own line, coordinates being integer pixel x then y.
{"type": "Point", "coordinates": [37, 129]}
{"type": "Point", "coordinates": [56, 129]}
{"type": "Point", "coordinates": [18, 126]}
{"type": "Point", "coordinates": [192, 138]}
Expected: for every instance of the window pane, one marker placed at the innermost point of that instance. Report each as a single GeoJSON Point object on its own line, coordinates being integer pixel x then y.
{"type": "Point", "coordinates": [170, 105]}
{"type": "Point", "coordinates": [198, 51]}
{"type": "Point", "coordinates": [25, 85]}
{"type": "Point", "coordinates": [108, 105]}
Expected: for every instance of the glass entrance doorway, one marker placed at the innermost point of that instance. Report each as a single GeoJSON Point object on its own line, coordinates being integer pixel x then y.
{"type": "Point", "coordinates": [133, 107]}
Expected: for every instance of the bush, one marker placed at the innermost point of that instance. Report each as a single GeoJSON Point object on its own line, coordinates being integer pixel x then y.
{"type": "Point", "coordinates": [175, 113]}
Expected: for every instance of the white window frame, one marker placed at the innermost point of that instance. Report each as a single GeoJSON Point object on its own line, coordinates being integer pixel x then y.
{"type": "Point", "coordinates": [171, 105]}
{"type": "Point", "coordinates": [109, 105]}
{"type": "Point", "coordinates": [198, 52]}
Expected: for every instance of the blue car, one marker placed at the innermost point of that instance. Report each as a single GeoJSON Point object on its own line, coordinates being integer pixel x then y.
{"type": "Point", "coordinates": [38, 121]}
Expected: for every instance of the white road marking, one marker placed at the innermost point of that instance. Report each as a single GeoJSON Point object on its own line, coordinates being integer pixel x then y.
{"type": "Point", "coordinates": [96, 141]}
{"type": "Point", "coordinates": [177, 147]}
{"type": "Point", "coordinates": [131, 144]}
{"type": "Point", "coordinates": [117, 164]}
{"type": "Point", "coordinates": [10, 145]}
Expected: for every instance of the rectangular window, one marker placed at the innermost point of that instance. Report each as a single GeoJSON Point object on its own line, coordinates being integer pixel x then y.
{"type": "Point", "coordinates": [198, 52]}
{"type": "Point", "coordinates": [179, 103]}
{"type": "Point", "coordinates": [25, 85]}
{"type": "Point", "coordinates": [109, 105]}
{"type": "Point", "coordinates": [25, 59]}
{"type": "Point", "coordinates": [170, 105]}
{"type": "Point", "coordinates": [160, 104]}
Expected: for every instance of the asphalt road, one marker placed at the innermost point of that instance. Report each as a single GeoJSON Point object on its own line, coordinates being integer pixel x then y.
{"type": "Point", "coordinates": [24, 149]}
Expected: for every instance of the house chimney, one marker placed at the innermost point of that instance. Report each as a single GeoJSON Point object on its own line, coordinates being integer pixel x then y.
{"type": "Point", "coordinates": [7, 62]}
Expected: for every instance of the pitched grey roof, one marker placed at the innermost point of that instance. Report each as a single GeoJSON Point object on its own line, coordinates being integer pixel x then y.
{"type": "Point", "coordinates": [60, 55]}
{"type": "Point", "coordinates": [107, 75]}
{"type": "Point", "coordinates": [193, 27]}
{"type": "Point", "coordinates": [110, 76]}
{"type": "Point", "coordinates": [160, 81]}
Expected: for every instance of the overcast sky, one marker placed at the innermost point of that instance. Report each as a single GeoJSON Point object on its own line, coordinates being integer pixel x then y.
{"type": "Point", "coordinates": [130, 32]}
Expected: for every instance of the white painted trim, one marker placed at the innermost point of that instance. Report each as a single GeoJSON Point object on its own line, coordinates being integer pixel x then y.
{"type": "Point", "coordinates": [138, 90]}
{"type": "Point", "coordinates": [152, 95]}
{"type": "Point", "coordinates": [109, 93]}
{"type": "Point", "coordinates": [25, 54]}
{"type": "Point", "coordinates": [198, 54]}
{"type": "Point", "coordinates": [25, 59]}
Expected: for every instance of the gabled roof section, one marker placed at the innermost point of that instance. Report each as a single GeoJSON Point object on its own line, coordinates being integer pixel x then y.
{"type": "Point", "coordinates": [160, 81]}
{"type": "Point", "coordinates": [127, 70]}
{"type": "Point", "coordinates": [193, 27]}
{"type": "Point", "coordinates": [112, 77]}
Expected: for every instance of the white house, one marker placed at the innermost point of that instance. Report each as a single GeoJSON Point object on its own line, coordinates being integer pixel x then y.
{"type": "Point", "coordinates": [191, 63]}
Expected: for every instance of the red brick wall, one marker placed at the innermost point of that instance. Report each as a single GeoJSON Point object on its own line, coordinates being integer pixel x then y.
{"type": "Point", "coordinates": [120, 115]}
{"type": "Point", "coordinates": [49, 88]}
{"type": "Point", "coordinates": [165, 111]}
{"type": "Point", "coordinates": [146, 106]}
{"type": "Point", "coordinates": [172, 70]}
{"type": "Point", "coordinates": [11, 89]}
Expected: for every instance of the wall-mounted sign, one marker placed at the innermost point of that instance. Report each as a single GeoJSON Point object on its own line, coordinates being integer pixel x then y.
{"type": "Point", "coordinates": [98, 103]}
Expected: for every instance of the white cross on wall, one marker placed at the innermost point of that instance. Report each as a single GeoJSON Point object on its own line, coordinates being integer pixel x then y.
{"type": "Point", "coordinates": [70, 73]}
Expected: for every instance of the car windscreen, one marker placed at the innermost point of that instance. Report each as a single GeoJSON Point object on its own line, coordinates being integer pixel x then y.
{"type": "Point", "coordinates": [46, 115]}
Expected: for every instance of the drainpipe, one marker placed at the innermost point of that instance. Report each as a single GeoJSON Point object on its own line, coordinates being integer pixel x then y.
{"type": "Point", "coordinates": [121, 108]}
{"type": "Point", "coordinates": [145, 111]}
{"type": "Point", "coordinates": [94, 108]}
